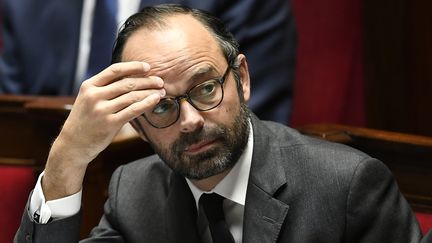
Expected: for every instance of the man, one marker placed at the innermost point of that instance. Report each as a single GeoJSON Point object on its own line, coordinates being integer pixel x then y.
{"type": "Point", "coordinates": [51, 46]}
{"type": "Point", "coordinates": [181, 82]}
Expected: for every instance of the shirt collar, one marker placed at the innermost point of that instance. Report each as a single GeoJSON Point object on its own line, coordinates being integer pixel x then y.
{"type": "Point", "coordinates": [234, 185]}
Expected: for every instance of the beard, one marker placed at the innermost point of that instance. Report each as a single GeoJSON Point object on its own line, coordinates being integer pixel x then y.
{"type": "Point", "coordinates": [229, 144]}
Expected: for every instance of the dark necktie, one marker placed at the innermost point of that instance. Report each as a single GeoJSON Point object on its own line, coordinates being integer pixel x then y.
{"type": "Point", "coordinates": [104, 30]}
{"type": "Point", "coordinates": [212, 204]}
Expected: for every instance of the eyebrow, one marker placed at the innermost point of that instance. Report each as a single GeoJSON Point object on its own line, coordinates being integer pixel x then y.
{"type": "Point", "coordinates": [202, 72]}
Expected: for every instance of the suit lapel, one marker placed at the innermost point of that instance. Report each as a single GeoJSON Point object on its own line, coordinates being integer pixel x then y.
{"type": "Point", "coordinates": [264, 214]}
{"type": "Point", "coordinates": [181, 213]}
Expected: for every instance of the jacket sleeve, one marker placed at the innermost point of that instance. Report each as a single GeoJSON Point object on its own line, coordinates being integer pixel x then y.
{"type": "Point", "coordinates": [106, 230]}
{"type": "Point", "coordinates": [62, 230]}
{"type": "Point", "coordinates": [104, 233]}
{"type": "Point", "coordinates": [427, 238]}
{"type": "Point", "coordinates": [376, 210]}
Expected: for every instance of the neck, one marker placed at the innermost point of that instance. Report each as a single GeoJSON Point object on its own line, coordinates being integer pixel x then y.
{"type": "Point", "coordinates": [209, 183]}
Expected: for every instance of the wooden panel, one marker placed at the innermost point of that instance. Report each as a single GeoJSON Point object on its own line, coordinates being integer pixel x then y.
{"type": "Point", "coordinates": [47, 115]}
{"type": "Point", "coordinates": [398, 57]}
{"type": "Point", "coordinates": [15, 129]}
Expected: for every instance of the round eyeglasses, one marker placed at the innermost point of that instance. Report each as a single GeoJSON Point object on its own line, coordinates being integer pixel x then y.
{"type": "Point", "coordinates": [203, 97]}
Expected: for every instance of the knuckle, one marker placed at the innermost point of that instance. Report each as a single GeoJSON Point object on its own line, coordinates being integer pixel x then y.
{"type": "Point", "coordinates": [135, 110]}
{"type": "Point", "coordinates": [111, 120]}
{"type": "Point", "coordinates": [156, 80]}
{"type": "Point", "coordinates": [92, 95]}
{"type": "Point", "coordinates": [130, 85]}
{"type": "Point", "coordinates": [115, 68]}
{"type": "Point", "coordinates": [99, 109]}
{"type": "Point", "coordinates": [85, 85]}
{"type": "Point", "coordinates": [134, 99]}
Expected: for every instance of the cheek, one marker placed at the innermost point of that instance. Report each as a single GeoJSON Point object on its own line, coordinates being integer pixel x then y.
{"type": "Point", "coordinates": [160, 138]}
{"type": "Point", "coordinates": [226, 113]}
{"type": "Point", "coordinates": [165, 140]}
{"type": "Point", "coordinates": [231, 104]}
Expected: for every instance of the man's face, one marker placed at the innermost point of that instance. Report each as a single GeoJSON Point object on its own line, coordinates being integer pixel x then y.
{"type": "Point", "coordinates": [201, 143]}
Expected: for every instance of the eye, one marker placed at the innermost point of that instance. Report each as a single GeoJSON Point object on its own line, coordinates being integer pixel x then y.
{"type": "Point", "coordinates": [205, 89]}
{"type": "Point", "coordinates": [165, 106]}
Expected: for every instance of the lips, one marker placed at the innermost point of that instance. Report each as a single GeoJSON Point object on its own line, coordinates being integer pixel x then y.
{"type": "Point", "coordinates": [199, 147]}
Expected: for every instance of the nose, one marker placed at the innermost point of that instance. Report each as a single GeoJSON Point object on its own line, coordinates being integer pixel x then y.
{"type": "Point", "coordinates": [190, 118]}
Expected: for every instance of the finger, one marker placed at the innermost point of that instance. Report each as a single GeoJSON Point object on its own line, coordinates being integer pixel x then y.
{"type": "Point", "coordinates": [131, 84]}
{"type": "Point", "coordinates": [119, 70]}
{"type": "Point", "coordinates": [125, 100]}
{"type": "Point", "coordinates": [136, 109]}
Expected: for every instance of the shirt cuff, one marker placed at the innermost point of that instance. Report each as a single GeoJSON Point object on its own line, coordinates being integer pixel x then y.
{"type": "Point", "coordinates": [42, 211]}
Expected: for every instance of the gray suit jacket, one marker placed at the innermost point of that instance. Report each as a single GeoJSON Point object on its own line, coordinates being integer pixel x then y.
{"type": "Point", "coordinates": [300, 190]}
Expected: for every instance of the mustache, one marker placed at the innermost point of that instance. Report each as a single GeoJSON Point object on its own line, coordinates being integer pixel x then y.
{"type": "Point", "coordinates": [187, 139]}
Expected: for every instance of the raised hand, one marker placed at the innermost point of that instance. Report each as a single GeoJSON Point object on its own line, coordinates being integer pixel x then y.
{"type": "Point", "coordinates": [105, 103]}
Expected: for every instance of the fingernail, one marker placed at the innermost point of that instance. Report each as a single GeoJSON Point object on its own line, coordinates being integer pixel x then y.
{"type": "Point", "coordinates": [146, 67]}
{"type": "Point", "coordinates": [154, 96]}
{"type": "Point", "coordinates": [162, 92]}
{"type": "Point", "coordinates": [159, 81]}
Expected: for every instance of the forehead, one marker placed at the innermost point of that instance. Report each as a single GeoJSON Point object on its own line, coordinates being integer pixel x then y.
{"type": "Point", "coordinates": [182, 46]}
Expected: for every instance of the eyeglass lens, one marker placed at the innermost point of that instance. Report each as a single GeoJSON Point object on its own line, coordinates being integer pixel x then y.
{"type": "Point", "coordinates": [203, 97]}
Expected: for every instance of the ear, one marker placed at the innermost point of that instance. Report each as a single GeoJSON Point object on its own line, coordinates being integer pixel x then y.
{"type": "Point", "coordinates": [135, 123]}
{"type": "Point", "coordinates": [244, 76]}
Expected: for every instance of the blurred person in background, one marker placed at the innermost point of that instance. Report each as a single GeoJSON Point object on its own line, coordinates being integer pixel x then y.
{"type": "Point", "coordinates": [51, 46]}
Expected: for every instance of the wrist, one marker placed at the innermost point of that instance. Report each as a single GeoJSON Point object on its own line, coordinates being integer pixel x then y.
{"type": "Point", "coordinates": [64, 172]}
{"type": "Point", "coordinates": [74, 150]}
{"type": "Point", "coordinates": [61, 183]}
